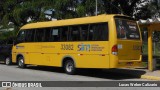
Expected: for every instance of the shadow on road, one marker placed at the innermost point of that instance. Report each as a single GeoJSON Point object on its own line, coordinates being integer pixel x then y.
{"type": "Point", "coordinates": [113, 74]}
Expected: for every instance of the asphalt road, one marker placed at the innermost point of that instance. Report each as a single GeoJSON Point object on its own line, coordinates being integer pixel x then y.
{"type": "Point", "coordinates": [34, 73]}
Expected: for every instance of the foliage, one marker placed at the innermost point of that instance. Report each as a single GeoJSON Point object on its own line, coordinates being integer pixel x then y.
{"type": "Point", "coordinates": [21, 12]}
{"type": "Point", "coordinates": [65, 8]}
{"type": "Point", "coordinates": [6, 35]}
{"type": "Point", "coordinates": [148, 10]}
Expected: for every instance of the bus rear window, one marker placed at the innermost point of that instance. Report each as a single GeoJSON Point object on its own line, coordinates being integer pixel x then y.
{"type": "Point", "coordinates": [127, 29]}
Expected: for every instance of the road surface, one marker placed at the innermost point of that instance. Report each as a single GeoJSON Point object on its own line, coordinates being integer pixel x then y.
{"type": "Point", "coordinates": [34, 73]}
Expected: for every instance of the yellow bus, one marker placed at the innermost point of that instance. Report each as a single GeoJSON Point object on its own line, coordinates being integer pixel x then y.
{"type": "Point", "coordinates": [103, 41]}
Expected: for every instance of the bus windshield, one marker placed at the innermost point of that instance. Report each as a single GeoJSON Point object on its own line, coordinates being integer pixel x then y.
{"type": "Point", "coordinates": [127, 29]}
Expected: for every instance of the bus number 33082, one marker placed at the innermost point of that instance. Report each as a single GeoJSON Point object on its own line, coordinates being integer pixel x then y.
{"type": "Point", "coordinates": [66, 46]}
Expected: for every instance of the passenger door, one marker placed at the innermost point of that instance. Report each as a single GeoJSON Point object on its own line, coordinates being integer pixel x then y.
{"type": "Point", "coordinates": [34, 40]}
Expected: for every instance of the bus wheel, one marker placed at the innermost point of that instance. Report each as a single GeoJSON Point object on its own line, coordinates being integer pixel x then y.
{"type": "Point", "coordinates": [69, 67]}
{"type": "Point", "coordinates": [21, 62]}
{"type": "Point", "coordinates": [8, 61]}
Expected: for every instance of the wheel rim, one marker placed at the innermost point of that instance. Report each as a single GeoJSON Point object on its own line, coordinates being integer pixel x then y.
{"type": "Point", "coordinates": [21, 62]}
{"type": "Point", "coordinates": [69, 67]}
{"type": "Point", "coordinates": [7, 61]}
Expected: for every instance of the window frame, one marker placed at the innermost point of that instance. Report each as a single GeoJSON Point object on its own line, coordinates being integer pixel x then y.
{"type": "Point", "coordinates": [60, 29]}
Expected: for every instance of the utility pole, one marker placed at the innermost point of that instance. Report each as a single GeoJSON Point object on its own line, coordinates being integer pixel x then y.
{"type": "Point", "coordinates": [96, 8]}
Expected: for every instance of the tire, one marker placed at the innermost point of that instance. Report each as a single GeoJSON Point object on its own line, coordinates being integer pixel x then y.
{"type": "Point", "coordinates": [69, 67]}
{"type": "Point", "coordinates": [21, 63]}
{"type": "Point", "coordinates": [8, 61]}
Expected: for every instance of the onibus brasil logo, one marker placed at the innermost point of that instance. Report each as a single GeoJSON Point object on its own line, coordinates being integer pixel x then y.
{"type": "Point", "coordinates": [20, 84]}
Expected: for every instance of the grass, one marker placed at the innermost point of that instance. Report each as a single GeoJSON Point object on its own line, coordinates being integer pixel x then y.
{"type": "Point", "coordinates": [156, 49]}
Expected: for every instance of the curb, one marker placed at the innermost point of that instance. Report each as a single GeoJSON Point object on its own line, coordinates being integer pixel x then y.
{"type": "Point", "coordinates": [150, 77]}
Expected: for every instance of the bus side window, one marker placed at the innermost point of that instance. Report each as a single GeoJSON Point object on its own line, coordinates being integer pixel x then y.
{"type": "Point", "coordinates": [39, 36]}
{"type": "Point", "coordinates": [74, 33]}
{"type": "Point", "coordinates": [98, 32]}
{"type": "Point", "coordinates": [30, 35]}
{"type": "Point", "coordinates": [64, 33]}
{"type": "Point", "coordinates": [84, 32]}
{"type": "Point", "coordinates": [90, 33]}
{"type": "Point", "coordinates": [21, 36]}
{"type": "Point", "coordinates": [47, 34]}
{"type": "Point", "coordinates": [101, 31]}
{"type": "Point", "coordinates": [55, 34]}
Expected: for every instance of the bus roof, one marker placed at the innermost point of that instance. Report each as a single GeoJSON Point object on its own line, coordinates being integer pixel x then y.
{"type": "Point", "coordinates": [67, 22]}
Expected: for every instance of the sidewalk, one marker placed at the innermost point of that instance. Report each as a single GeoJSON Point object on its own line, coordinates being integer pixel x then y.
{"type": "Point", "coordinates": [140, 73]}
{"type": "Point", "coordinates": [155, 75]}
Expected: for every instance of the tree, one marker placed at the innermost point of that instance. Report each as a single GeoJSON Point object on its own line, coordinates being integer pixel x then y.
{"type": "Point", "coordinates": [126, 7]}
{"type": "Point", "coordinates": [65, 9]}
{"type": "Point", "coordinates": [19, 12]}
